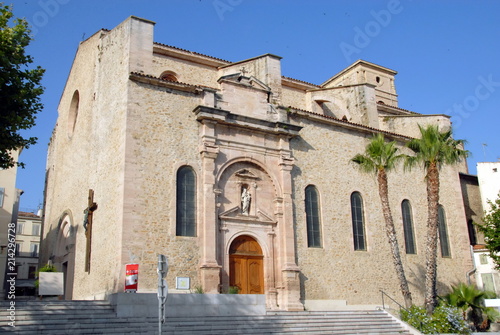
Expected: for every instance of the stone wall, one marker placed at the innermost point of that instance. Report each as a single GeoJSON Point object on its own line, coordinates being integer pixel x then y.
{"type": "Point", "coordinates": [336, 271]}
{"type": "Point", "coordinates": [162, 137]}
{"type": "Point", "coordinates": [90, 155]}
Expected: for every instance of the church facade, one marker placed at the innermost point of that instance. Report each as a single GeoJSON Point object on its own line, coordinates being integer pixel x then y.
{"type": "Point", "coordinates": [239, 175]}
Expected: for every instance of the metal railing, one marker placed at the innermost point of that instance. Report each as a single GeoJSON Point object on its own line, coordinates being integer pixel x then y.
{"type": "Point", "coordinates": [388, 296]}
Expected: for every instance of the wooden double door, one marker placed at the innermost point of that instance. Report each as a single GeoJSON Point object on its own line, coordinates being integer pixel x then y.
{"type": "Point", "coordinates": [246, 266]}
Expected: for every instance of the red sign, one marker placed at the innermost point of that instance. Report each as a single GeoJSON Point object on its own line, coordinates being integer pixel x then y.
{"type": "Point", "coordinates": [131, 277]}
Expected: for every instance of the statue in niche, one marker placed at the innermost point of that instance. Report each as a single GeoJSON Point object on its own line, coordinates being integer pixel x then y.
{"type": "Point", "coordinates": [245, 200]}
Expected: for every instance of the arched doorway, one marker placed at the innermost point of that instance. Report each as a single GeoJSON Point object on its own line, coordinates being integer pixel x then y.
{"type": "Point", "coordinates": [246, 269]}
{"type": "Point", "coordinates": [64, 253]}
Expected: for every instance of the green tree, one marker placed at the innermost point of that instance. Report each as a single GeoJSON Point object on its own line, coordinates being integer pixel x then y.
{"type": "Point", "coordinates": [491, 230]}
{"type": "Point", "coordinates": [20, 88]}
{"type": "Point", "coordinates": [379, 158]}
{"type": "Point", "coordinates": [433, 150]}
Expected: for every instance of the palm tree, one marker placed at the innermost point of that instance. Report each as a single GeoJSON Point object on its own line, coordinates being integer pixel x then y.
{"type": "Point", "coordinates": [471, 301]}
{"type": "Point", "coordinates": [379, 158]}
{"type": "Point", "coordinates": [433, 150]}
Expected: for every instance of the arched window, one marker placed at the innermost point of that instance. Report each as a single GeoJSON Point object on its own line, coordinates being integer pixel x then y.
{"type": "Point", "coordinates": [472, 232]}
{"type": "Point", "coordinates": [73, 112]}
{"type": "Point", "coordinates": [169, 75]}
{"type": "Point", "coordinates": [186, 202]}
{"type": "Point", "coordinates": [313, 217]}
{"type": "Point", "coordinates": [408, 227]}
{"type": "Point", "coordinates": [358, 225]}
{"type": "Point", "coordinates": [443, 233]}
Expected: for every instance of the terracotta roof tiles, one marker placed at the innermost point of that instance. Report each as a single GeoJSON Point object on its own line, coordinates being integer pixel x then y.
{"type": "Point", "coordinates": [350, 123]}
{"type": "Point", "coordinates": [192, 52]}
{"type": "Point", "coordinates": [28, 215]}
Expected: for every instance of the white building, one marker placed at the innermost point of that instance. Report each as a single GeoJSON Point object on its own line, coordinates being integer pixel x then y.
{"type": "Point", "coordinates": [487, 277]}
{"type": "Point", "coordinates": [9, 204]}
{"type": "Point", "coordinates": [27, 251]}
{"type": "Point", "coordinates": [488, 174]}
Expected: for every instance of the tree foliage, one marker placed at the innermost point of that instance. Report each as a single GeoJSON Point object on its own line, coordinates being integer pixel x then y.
{"type": "Point", "coordinates": [433, 150]}
{"type": "Point", "coordinates": [491, 230]}
{"type": "Point", "coordinates": [471, 301]}
{"type": "Point", "coordinates": [379, 158]}
{"type": "Point", "coordinates": [20, 88]}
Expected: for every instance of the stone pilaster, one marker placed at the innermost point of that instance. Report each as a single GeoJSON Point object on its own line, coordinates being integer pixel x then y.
{"type": "Point", "coordinates": [210, 269]}
{"type": "Point", "coordinates": [272, 293]}
{"type": "Point", "coordinates": [290, 271]}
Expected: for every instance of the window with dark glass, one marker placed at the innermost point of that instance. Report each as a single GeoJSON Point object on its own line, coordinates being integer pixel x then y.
{"type": "Point", "coordinates": [408, 227]}
{"type": "Point", "coordinates": [313, 217]}
{"type": "Point", "coordinates": [472, 232]}
{"type": "Point", "coordinates": [358, 225]}
{"type": "Point", "coordinates": [443, 233]}
{"type": "Point", "coordinates": [186, 202]}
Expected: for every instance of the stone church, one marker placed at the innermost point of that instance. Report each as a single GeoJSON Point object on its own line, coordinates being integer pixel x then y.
{"type": "Point", "coordinates": [239, 175]}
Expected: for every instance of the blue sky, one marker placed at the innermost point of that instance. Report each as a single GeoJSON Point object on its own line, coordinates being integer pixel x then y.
{"type": "Point", "coordinates": [446, 53]}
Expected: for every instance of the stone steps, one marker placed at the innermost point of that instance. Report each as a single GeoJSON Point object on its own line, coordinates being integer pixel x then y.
{"type": "Point", "coordinates": [99, 317]}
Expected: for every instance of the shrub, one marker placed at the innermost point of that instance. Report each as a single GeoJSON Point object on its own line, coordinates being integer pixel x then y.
{"type": "Point", "coordinates": [45, 268]}
{"type": "Point", "coordinates": [233, 290]}
{"type": "Point", "coordinates": [446, 319]}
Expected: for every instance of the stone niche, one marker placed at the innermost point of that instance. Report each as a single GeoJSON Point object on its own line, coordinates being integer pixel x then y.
{"type": "Point", "coordinates": [248, 192]}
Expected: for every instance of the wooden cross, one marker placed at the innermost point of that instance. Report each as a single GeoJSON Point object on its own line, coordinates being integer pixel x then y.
{"type": "Point", "coordinates": [87, 224]}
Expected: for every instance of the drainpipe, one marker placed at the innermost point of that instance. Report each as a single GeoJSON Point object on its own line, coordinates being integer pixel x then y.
{"type": "Point", "coordinates": [470, 272]}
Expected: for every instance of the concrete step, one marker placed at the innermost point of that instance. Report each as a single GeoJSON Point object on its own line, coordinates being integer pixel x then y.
{"type": "Point", "coordinates": [99, 317]}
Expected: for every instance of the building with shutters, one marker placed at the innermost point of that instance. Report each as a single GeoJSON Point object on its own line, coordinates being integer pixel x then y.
{"type": "Point", "coordinates": [28, 231]}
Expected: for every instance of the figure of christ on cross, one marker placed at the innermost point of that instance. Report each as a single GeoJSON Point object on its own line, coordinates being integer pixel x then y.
{"type": "Point", "coordinates": [87, 224]}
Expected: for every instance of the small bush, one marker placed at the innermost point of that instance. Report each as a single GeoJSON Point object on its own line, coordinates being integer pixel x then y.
{"type": "Point", "coordinates": [198, 290]}
{"type": "Point", "coordinates": [446, 319]}
{"type": "Point", "coordinates": [45, 268]}
{"type": "Point", "coordinates": [233, 290]}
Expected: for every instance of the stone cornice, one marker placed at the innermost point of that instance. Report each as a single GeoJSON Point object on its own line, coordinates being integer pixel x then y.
{"type": "Point", "coordinates": [174, 85]}
{"type": "Point", "coordinates": [225, 117]}
{"type": "Point", "coordinates": [295, 112]}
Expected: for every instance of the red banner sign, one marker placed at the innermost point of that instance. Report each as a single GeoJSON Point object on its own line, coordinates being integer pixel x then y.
{"type": "Point", "coordinates": [131, 277]}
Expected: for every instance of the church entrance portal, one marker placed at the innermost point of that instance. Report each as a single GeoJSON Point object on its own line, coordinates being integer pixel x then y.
{"type": "Point", "coordinates": [246, 269]}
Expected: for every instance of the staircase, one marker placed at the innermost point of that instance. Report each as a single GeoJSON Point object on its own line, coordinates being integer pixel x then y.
{"type": "Point", "coordinates": [99, 317]}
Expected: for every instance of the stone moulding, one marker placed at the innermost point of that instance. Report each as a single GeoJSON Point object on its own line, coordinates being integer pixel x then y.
{"type": "Point", "coordinates": [226, 117]}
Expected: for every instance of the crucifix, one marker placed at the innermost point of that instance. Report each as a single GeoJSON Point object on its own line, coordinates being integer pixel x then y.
{"type": "Point", "coordinates": [87, 224]}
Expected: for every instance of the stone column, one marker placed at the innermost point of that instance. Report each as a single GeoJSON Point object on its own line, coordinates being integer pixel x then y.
{"type": "Point", "coordinates": [290, 271]}
{"type": "Point", "coordinates": [210, 269]}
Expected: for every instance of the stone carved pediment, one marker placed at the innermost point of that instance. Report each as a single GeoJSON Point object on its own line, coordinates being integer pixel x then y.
{"type": "Point", "coordinates": [241, 79]}
{"type": "Point", "coordinates": [234, 215]}
{"type": "Point", "coordinates": [247, 174]}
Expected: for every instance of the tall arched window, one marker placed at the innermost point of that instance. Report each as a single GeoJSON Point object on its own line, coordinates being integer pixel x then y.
{"type": "Point", "coordinates": [313, 217]}
{"type": "Point", "coordinates": [472, 232]}
{"type": "Point", "coordinates": [186, 202]}
{"type": "Point", "coordinates": [358, 225]}
{"type": "Point", "coordinates": [73, 112]}
{"type": "Point", "coordinates": [408, 227]}
{"type": "Point", "coordinates": [443, 233]}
